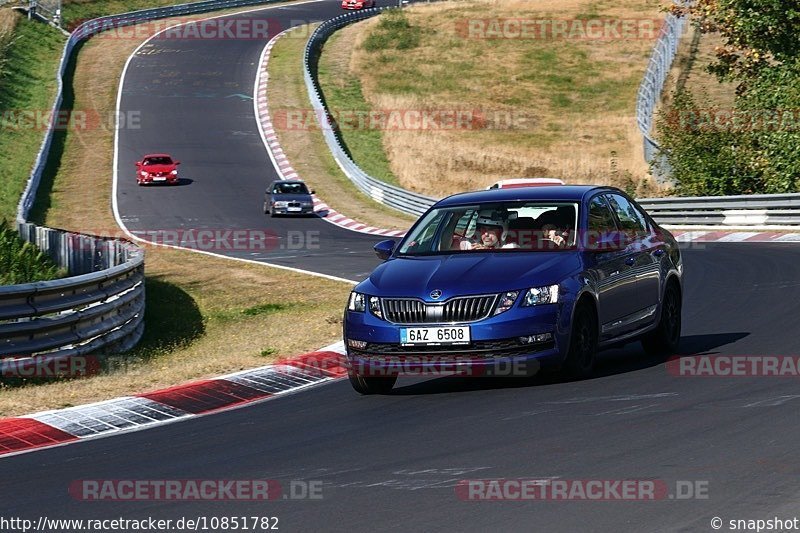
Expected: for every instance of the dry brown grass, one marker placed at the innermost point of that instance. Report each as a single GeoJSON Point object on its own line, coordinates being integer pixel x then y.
{"type": "Point", "coordinates": [227, 339]}
{"type": "Point", "coordinates": [577, 97]}
{"type": "Point", "coordinates": [306, 149]}
{"type": "Point", "coordinates": [8, 18]}
{"type": "Point", "coordinates": [690, 71]}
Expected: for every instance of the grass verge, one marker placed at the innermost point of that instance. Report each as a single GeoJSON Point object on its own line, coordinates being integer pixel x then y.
{"type": "Point", "coordinates": [547, 107]}
{"type": "Point", "coordinates": [205, 316]}
{"type": "Point", "coordinates": [305, 146]}
{"type": "Point", "coordinates": [345, 99]}
{"type": "Point", "coordinates": [29, 56]}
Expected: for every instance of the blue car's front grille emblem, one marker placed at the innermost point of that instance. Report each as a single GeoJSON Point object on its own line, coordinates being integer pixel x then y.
{"type": "Point", "coordinates": [436, 294]}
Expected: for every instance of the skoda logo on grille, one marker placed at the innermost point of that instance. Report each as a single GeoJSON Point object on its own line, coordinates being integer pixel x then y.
{"type": "Point", "coordinates": [436, 294]}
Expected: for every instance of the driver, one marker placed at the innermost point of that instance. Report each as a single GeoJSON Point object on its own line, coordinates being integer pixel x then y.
{"type": "Point", "coordinates": [491, 231]}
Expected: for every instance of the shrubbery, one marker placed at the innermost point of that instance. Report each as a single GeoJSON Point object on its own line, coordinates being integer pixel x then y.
{"type": "Point", "coordinates": [22, 262]}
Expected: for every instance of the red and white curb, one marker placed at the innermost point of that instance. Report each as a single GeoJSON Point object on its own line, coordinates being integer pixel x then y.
{"type": "Point", "coordinates": [131, 413]}
{"type": "Point", "coordinates": [281, 162]}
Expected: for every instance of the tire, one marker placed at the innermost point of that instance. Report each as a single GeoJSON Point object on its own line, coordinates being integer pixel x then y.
{"type": "Point", "coordinates": [665, 338]}
{"type": "Point", "coordinates": [581, 358]}
{"type": "Point", "coordinates": [371, 385]}
{"type": "Point", "coordinates": [266, 208]}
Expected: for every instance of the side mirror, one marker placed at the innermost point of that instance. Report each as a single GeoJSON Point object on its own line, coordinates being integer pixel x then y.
{"type": "Point", "coordinates": [311, 192]}
{"type": "Point", "coordinates": [177, 162]}
{"type": "Point", "coordinates": [384, 249]}
{"type": "Point", "coordinates": [612, 241]}
{"type": "Point", "coordinates": [138, 164]}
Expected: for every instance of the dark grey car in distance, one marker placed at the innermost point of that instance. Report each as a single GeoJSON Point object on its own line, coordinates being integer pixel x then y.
{"type": "Point", "coordinates": [288, 197]}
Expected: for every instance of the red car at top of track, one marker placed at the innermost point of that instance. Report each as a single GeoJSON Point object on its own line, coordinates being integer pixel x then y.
{"type": "Point", "coordinates": [357, 4]}
{"type": "Point", "coordinates": [157, 168]}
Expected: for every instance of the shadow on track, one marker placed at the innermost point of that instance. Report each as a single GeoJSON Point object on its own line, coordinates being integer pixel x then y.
{"type": "Point", "coordinates": [610, 362]}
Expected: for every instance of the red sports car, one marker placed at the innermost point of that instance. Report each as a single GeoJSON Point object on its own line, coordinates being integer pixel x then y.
{"type": "Point", "coordinates": [357, 4]}
{"type": "Point", "coordinates": [157, 168]}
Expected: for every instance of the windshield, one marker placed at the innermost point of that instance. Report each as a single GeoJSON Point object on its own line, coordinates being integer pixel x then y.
{"type": "Point", "coordinates": [289, 188]}
{"type": "Point", "coordinates": [510, 226]}
{"type": "Point", "coordinates": [157, 161]}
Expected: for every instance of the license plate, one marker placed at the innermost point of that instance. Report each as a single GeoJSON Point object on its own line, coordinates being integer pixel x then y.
{"type": "Point", "coordinates": [159, 179]}
{"type": "Point", "coordinates": [435, 336]}
{"type": "Point", "coordinates": [294, 209]}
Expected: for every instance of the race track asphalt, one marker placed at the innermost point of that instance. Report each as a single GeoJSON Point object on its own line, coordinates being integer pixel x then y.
{"type": "Point", "coordinates": [391, 462]}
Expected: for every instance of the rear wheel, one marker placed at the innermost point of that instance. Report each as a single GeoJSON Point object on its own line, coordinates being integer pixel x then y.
{"type": "Point", "coordinates": [580, 361]}
{"type": "Point", "coordinates": [665, 338]}
{"type": "Point", "coordinates": [266, 208]}
{"type": "Point", "coordinates": [371, 385]}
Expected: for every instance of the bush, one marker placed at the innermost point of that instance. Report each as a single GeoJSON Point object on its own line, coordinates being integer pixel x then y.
{"type": "Point", "coordinates": [22, 262]}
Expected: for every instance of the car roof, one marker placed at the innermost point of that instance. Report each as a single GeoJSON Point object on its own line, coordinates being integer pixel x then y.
{"type": "Point", "coordinates": [157, 155]}
{"type": "Point", "coordinates": [287, 181]}
{"type": "Point", "coordinates": [573, 193]}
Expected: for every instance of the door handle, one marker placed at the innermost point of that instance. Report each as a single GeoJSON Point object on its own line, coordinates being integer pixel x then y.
{"type": "Point", "coordinates": [630, 260]}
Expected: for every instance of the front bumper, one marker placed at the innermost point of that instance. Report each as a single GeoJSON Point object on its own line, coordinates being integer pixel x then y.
{"type": "Point", "coordinates": [496, 347]}
{"type": "Point", "coordinates": [169, 180]}
{"type": "Point", "coordinates": [303, 210]}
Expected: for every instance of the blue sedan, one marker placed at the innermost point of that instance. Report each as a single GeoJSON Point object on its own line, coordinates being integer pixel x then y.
{"type": "Point", "coordinates": [508, 281]}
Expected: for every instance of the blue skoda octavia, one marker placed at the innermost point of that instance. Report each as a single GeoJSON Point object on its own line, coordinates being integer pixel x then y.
{"type": "Point", "coordinates": [518, 278]}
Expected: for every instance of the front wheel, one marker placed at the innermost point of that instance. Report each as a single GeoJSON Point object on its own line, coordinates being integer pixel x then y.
{"type": "Point", "coordinates": [580, 361]}
{"type": "Point", "coordinates": [665, 338]}
{"type": "Point", "coordinates": [371, 385]}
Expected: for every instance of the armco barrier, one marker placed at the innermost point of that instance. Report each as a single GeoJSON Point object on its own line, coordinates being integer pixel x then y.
{"type": "Point", "coordinates": [772, 211]}
{"type": "Point", "coordinates": [101, 304]}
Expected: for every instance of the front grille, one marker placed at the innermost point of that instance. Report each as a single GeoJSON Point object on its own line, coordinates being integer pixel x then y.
{"type": "Point", "coordinates": [462, 309]}
{"type": "Point", "coordinates": [294, 204]}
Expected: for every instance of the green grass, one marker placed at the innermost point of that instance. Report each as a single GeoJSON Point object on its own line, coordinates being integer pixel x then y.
{"type": "Point", "coordinates": [343, 95]}
{"type": "Point", "coordinates": [22, 262]}
{"type": "Point", "coordinates": [76, 11]}
{"type": "Point", "coordinates": [27, 83]}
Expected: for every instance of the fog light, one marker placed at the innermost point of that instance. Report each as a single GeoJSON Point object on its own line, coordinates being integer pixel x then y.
{"type": "Point", "coordinates": [360, 345]}
{"type": "Point", "coordinates": [531, 339]}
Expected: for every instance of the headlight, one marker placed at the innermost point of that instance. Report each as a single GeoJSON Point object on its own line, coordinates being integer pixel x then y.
{"type": "Point", "coordinates": [357, 302]}
{"type": "Point", "coordinates": [143, 173]}
{"type": "Point", "coordinates": [507, 299]}
{"type": "Point", "coordinates": [280, 204]}
{"type": "Point", "coordinates": [174, 172]}
{"type": "Point", "coordinates": [307, 204]}
{"type": "Point", "coordinates": [540, 295]}
{"type": "Point", "coordinates": [375, 306]}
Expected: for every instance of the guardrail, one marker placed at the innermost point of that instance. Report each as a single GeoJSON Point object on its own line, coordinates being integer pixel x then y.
{"type": "Point", "coordinates": [101, 305]}
{"type": "Point", "coordinates": [756, 210]}
{"type": "Point", "coordinates": [652, 85]}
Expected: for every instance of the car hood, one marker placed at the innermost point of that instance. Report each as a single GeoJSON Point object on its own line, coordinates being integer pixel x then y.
{"type": "Point", "coordinates": [291, 197]}
{"type": "Point", "coordinates": [152, 169]}
{"type": "Point", "coordinates": [469, 273]}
